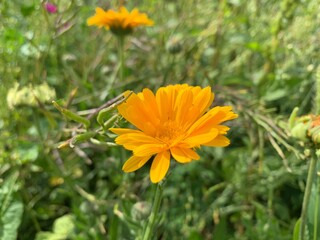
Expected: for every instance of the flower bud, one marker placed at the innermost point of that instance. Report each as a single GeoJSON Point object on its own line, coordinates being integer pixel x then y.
{"type": "Point", "coordinates": [51, 8]}
{"type": "Point", "coordinates": [300, 131]}
{"type": "Point", "coordinates": [174, 45]}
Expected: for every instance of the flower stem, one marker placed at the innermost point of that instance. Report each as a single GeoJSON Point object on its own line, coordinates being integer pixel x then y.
{"type": "Point", "coordinates": [121, 57]}
{"type": "Point", "coordinates": [307, 193]}
{"type": "Point", "coordinates": [154, 212]}
{"type": "Point", "coordinates": [316, 212]}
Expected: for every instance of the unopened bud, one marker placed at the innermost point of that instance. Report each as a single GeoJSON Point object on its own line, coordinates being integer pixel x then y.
{"type": "Point", "coordinates": [174, 45]}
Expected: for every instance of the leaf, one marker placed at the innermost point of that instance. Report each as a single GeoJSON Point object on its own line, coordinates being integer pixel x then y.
{"type": "Point", "coordinates": [275, 95]}
{"type": "Point", "coordinates": [296, 230]}
{"type": "Point", "coordinates": [314, 212]}
{"type": "Point", "coordinates": [64, 225]}
{"type": "Point", "coordinates": [220, 230]}
{"type": "Point", "coordinates": [27, 152]}
{"type": "Point", "coordinates": [194, 236]}
{"type": "Point", "coordinates": [49, 236]}
{"type": "Point", "coordinates": [27, 10]}
{"type": "Point", "coordinates": [62, 229]}
{"type": "Point", "coordinates": [11, 209]}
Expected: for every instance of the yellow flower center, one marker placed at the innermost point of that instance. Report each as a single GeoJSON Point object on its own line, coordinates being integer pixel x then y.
{"type": "Point", "coordinates": [170, 133]}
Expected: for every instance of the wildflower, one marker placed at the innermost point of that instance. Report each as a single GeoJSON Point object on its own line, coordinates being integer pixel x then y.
{"type": "Point", "coordinates": [51, 8]}
{"type": "Point", "coordinates": [173, 122]}
{"type": "Point", "coordinates": [121, 22]}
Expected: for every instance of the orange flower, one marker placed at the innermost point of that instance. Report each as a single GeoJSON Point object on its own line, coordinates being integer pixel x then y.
{"type": "Point", "coordinates": [173, 122]}
{"type": "Point", "coordinates": [121, 22]}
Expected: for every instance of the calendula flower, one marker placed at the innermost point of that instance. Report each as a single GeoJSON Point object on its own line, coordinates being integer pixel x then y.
{"type": "Point", "coordinates": [173, 122]}
{"type": "Point", "coordinates": [121, 22]}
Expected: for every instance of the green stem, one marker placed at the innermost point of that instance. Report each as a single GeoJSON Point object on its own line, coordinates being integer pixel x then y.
{"type": "Point", "coordinates": [154, 212]}
{"type": "Point", "coordinates": [316, 212]}
{"type": "Point", "coordinates": [121, 57]}
{"type": "Point", "coordinates": [307, 193]}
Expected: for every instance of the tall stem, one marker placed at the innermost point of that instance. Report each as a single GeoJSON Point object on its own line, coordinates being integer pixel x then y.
{"type": "Point", "coordinates": [155, 209]}
{"type": "Point", "coordinates": [316, 212]}
{"type": "Point", "coordinates": [307, 193]}
{"type": "Point", "coordinates": [121, 57]}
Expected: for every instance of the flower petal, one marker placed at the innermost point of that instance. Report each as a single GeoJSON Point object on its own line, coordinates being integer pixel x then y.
{"type": "Point", "coordinates": [132, 141]}
{"type": "Point", "coordinates": [201, 138]}
{"type": "Point", "coordinates": [160, 166]}
{"type": "Point", "coordinates": [134, 163]}
{"type": "Point", "coordinates": [136, 112]}
{"type": "Point", "coordinates": [120, 131]}
{"type": "Point", "coordinates": [219, 141]}
{"type": "Point", "coordinates": [212, 118]}
{"type": "Point", "coordinates": [148, 149]}
{"type": "Point", "coordinates": [184, 155]}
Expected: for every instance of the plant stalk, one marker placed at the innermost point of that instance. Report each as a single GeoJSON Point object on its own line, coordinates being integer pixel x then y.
{"type": "Point", "coordinates": [155, 209]}
{"type": "Point", "coordinates": [307, 193]}
{"type": "Point", "coordinates": [121, 57]}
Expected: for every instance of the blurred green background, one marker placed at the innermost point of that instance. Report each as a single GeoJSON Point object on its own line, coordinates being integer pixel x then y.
{"type": "Point", "coordinates": [259, 56]}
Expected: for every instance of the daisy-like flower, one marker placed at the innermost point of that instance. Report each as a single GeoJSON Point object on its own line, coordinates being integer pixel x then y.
{"type": "Point", "coordinates": [173, 122]}
{"type": "Point", "coordinates": [121, 22]}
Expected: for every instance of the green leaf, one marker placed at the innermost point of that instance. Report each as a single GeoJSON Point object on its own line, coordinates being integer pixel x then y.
{"type": "Point", "coordinates": [62, 229]}
{"type": "Point", "coordinates": [11, 209]}
{"type": "Point", "coordinates": [27, 153]}
{"type": "Point", "coordinates": [275, 95]}
{"type": "Point", "coordinates": [296, 230]}
{"type": "Point", "coordinates": [314, 212]}
{"type": "Point", "coordinates": [27, 10]}
{"type": "Point", "coordinates": [195, 236]}
{"type": "Point", "coordinates": [49, 236]}
{"type": "Point", "coordinates": [64, 225]}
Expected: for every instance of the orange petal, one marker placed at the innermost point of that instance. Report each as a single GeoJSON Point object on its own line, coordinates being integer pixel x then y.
{"type": "Point", "coordinates": [163, 104]}
{"type": "Point", "coordinates": [160, 166]}
{"type": "Point", "coordinates": [184, 99]}
{"type": "Point", "coordinates": [213, 117]}
{"type": "Point", "coordinates": [136, 112]}
{"type": "Point", "coordinates": [132, 141]}
{"type": "Point", "coordinates": [184, 155]}
{"type": "Point", "coordinates": [134, 163]}
{"type": "Point", "coordinates": [148, 149]}
{"type": "Point", "coordinates": [201, 138]}
{"type": "Point", "coordinates": [219, 141]}
{"type": "Point", "coordinates": [98, 18]}
{"type": "Point", "coordinates": [120, 131]}
{"type": "Point", "coordinates": [204, 99]}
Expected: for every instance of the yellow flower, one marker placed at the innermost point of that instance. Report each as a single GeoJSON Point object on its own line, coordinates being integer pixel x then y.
{"type": "Point", "coordinates": [121, 22]}
{"type": "Point", "coordinates": [173, 122]}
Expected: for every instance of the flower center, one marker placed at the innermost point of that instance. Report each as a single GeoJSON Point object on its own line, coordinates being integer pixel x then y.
{"type": "Point", "coordinates": [170, 133]}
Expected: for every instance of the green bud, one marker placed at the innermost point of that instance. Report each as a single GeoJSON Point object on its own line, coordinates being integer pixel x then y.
{"type": "Point", "coordinates": [174, 45]}
{"type": "Point", "coordinates": [82, 138]}
{"type": "Point", "coordinates": [300, 131]}
{"type": "Point", "coordinates": [71, 115]}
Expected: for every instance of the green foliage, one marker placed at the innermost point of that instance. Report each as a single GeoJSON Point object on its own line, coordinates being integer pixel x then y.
{"type": "Point", "coordinates": [261, 57]}
{"type": "Point", "coordinates": [11, 209]}
{"type": "Point", "coordinates": [62, 229]}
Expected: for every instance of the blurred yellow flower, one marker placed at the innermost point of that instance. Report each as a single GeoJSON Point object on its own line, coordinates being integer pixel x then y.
{"type": "Point", "coordinates": [121, 22]}
{"type": "Point", "coordinates": [173, 122]}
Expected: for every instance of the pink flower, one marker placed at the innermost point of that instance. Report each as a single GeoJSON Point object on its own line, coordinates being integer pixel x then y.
{"type": "Point", "coordinates": [51, 8]}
